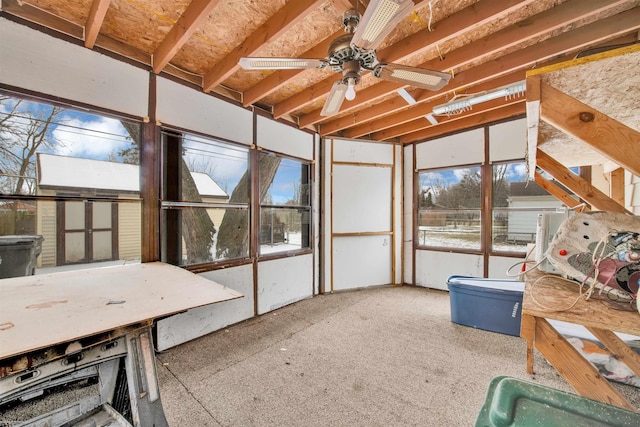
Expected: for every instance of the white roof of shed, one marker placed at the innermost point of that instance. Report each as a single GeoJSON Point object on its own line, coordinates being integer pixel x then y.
{"type": "Point", "coordinates": [75, 172]}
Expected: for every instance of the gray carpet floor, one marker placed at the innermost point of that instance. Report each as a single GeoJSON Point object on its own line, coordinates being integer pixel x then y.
{"type": "Point", "coordinates": [386, 356]}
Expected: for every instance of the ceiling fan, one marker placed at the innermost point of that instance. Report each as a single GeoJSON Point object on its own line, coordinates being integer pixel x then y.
{"type": "Point", "coordinates": [355, 52]}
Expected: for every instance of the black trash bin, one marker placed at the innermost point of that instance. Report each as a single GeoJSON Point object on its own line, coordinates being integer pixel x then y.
{"type": "Point", "coordinates": [18, 255]}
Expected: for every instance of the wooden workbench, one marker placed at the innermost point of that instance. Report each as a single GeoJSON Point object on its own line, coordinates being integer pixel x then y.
{"type": "Point", "coordinates": [553, 292]}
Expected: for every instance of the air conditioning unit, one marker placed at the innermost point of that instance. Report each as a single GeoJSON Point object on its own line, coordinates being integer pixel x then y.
{"type": "Point", "coordinates": [546, 228]}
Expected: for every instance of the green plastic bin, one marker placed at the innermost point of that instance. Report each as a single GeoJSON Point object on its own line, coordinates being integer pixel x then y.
{"type": "Point", "coordinates": [513, 402]}
{"type": "Point", "coordinates": [18, 254]}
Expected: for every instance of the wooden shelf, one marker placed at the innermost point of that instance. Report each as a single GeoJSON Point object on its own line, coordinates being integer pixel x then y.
{"type": "Point", "coordinates": [557, 296]}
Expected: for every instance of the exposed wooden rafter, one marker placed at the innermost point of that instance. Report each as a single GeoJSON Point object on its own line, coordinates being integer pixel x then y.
{"type": "Point", "coordinates": [582, 188]}
{"type": "Point", "coordinates": [94, 21]}
{"type": "Point", "coordinates": [491, 45]}
{"type": "Point", "coordinates": [472, 17]}
{"type": "Point", "coordinates": [191, 18]}
{"type": "Point", "coordinates": [568, 42]}
{"type": "Point", "coordinates": [557, 192]}
{"type": "Point", "coordinates": [482, 118]}
{"type": "Point", "coordinates": [293, 12]}
{"type": "Point", "coordinates": [395, 125]}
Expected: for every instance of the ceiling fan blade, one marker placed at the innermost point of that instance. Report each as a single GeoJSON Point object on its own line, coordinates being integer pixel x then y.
{"type": "Point", "coordinates": [281, 63]}
{"type": "Point", "coordinates": [380, 18]}
{"type": "Point", "coordinates": [414, 76]}
{"type": "Point", "coordinates": [334, 100]}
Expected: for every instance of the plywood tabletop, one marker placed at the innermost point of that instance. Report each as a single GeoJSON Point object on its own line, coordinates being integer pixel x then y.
{"type": "Point", "coordinates": [44, 310]}
{"type": "Point", "coordinates": [548, 296]}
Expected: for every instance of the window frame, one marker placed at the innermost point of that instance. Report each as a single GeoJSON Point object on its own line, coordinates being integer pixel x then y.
{"type": "Point", "coordinates": [308, 207]}
{"type": "Point", "coordinates": [173, 239]}
{"type": "Point", "coordinates": [418, 210]}
{"type": "Point", "coordinates": [97, 195]}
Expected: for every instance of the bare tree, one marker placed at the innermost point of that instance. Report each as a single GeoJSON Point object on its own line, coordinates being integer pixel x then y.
{"type": "Point", "coordinates": [233, 236]}
{"type": "Point", "coordinates": [23, 133]}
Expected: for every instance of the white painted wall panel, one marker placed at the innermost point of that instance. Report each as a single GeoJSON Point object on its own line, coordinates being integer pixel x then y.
{"type": "Point", "coordinates": [32, 60]}
{"type": "Point", "coordinates": [362, 152]}
{"type": "Point", "coordinates": [200, 321]}
{"type": "Point", "coordinates": [361, 261]}
{"type": "Point", "coordinates": [284, 281]}
{"type": "Point", "coordinates": [459, 149]}
{"type": "Point", "coordinates": [498, 267]}
{"type": "Point", "coordinates": [187, 108]}
{"type": "Point", "coordinates": [508, 141]}
{"type": "Point", "coordinates": [433, 268]}
{"type": "Point", "coordinates": [285, 139]}
{"type": "Point", "coordinates": [361, 198]}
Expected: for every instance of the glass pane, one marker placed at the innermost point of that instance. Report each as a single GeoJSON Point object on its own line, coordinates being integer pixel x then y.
{"type": "Point", "coordinates": [451, 189]}
{"type": "Point", "coordinates": [513, 229]}
{"type": "Point", "coordinates": [458, 228]}
{"type": "Point", "coordinates": [218, 171]}
{"type": "Point", "coordinates": [208, 234]}
{"type": "Point", "coordinates": [283, 181]}
{"type": "Point", "coordinates": [284, 229]}
{"type": "Point", "coordinates": [76, 152]}
{"type": "Point", "coordinates": [517, 203]}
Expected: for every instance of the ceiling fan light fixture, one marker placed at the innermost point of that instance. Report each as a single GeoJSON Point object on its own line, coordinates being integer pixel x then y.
{"type": "Point", "coordinates": [379, 20]}
{"type": "Point", "coordinates": [350, 93]}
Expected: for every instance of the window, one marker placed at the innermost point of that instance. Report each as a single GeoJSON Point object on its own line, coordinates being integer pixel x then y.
{"type": "Point", "coordinates": [449, 210]}
{"type": "Point", "coordinates": [70, 180]}
{"type": "Point", "coordinates": [285, 208]}
{"type": "Point", "coordinates": [516, 205]}
{"type": "Point", "coordinates": [206, 192]}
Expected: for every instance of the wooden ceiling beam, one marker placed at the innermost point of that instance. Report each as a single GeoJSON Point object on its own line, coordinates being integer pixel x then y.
{"type": "Point", "coordinates": [94, 21]}
{"type": "Point", "coordinates": [569, 42]}
{"type": "Point", "coordinates": [389, 126]}
{"type": "Point", "coordinates": [556, 191]}
{"type": "Point", "coordinates": [538, 25]}
{"type": "Point", "coordinates": [482, 118]}
{"type": "Point", "coordinates": [281, 21]}
{"type": "Point", "coordinates": [422, 123]}
{"type": "Point", "coordinates": [277, 79]}
{"type": "Point", "coordinates": [191, 18]}
{"type": "Point", "coordinates": [472, 17]}
{"type": "Point", "coordinates": [581, 187]}
{"type": "Point", "coordinates": [604, 134]}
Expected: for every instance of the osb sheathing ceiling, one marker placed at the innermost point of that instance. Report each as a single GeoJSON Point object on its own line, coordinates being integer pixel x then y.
{"type": "Point", "coordinates": [483, 44]}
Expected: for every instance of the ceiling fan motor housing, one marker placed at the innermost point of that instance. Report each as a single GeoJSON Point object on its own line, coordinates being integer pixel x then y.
{"type": "Point", "coordinates": [341, 51]}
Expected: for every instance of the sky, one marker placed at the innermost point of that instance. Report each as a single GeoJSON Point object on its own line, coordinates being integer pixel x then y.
{"type": "Point", "coordinates": [85, 135]}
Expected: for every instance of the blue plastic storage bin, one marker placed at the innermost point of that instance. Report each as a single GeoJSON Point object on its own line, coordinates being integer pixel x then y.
{"type": "Point", "coordinates": [490, 304]}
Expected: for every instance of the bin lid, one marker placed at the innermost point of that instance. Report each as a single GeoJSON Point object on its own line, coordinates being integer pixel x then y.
{"type": "Point", "coordinates": [13, 240]}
